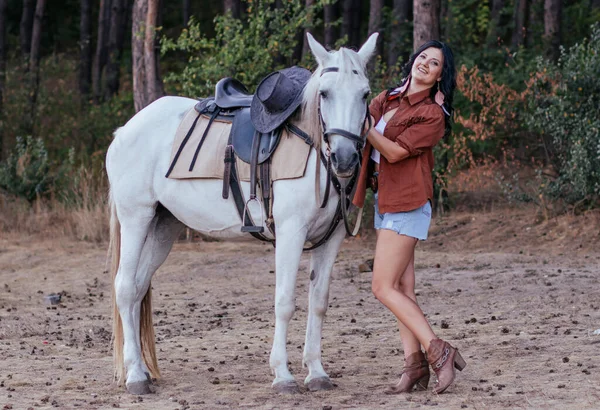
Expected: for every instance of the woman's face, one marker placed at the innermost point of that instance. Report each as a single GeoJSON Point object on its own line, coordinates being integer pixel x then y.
{"type": "Point", "coordinates": [427, 68]}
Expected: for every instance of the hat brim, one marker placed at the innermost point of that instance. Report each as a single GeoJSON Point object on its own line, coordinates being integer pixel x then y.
{"type": "Point", "coordinates": [264, 121]}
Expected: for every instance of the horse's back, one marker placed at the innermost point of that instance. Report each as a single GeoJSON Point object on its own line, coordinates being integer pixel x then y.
{"type": "Point", "coordinates": [164, 112]}
{"type": "Point", "coordinates": [146, 135]}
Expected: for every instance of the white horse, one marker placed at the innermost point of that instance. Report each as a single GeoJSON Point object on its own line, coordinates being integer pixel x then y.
{"type": "Point", "coordinates": [148, 212]}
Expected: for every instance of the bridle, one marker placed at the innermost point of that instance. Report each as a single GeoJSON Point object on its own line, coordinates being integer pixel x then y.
{"type": "Point", "coordinates": [358, 139]}
{"type": "Point", "coordinates": [348, 191]}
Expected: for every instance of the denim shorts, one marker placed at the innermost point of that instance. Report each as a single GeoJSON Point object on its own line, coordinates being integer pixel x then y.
{"type": "Point", "coordinates": [413, 223]}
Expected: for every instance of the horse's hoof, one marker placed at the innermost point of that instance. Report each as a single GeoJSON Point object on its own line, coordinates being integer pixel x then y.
{"type": "Point", "coordinates": [139, 388]}
{"type": "Point", "coordinates": [286, 387]}
{"type": "Point", "coordinates": [320, 383]}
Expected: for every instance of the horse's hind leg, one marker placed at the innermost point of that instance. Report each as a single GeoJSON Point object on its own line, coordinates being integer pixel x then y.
{"type": "Point", "coordinates": [321, 264]}
{"type": "Point", "coordinates": [144, 247]}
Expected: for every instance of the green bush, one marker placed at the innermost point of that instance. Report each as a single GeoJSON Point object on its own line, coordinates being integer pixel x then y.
{"type": "Point", "coordinates": [565, 111]}
{"type": "Point", "coordinates": [27, 172]}
{"type": "Point", "coordinates": [247, 50]}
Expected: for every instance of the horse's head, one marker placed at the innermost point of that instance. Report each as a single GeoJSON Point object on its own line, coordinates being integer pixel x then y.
{"type": "Point", "coordinates": [337, 93]}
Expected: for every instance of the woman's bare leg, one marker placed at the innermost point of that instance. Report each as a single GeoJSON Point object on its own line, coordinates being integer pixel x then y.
{"type": "Point", "coordinates": [406, 285]}
{"type": "Point", "coordinates": [393, 254]}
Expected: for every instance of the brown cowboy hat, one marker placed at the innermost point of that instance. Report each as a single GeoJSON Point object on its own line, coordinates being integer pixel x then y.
{"type": "Point", "coordinates": [277, 97]}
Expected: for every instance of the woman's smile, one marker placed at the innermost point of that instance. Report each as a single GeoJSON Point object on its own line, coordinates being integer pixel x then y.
{"type": "Point", "coordinates": [427, 68]}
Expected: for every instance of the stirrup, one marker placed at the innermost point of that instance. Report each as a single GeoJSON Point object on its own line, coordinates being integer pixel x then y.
{"type": "Point", "coordinates": [252, 228]}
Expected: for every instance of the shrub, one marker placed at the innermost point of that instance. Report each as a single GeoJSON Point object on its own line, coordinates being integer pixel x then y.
{"type": "Point", "coordinates": [565, 111]}
{"type": "Point", "coordinates": [27, 172]}
{"type": "Point", "coordinates": [247, 50]}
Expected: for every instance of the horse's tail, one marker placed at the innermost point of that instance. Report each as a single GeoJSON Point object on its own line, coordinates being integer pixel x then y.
{"type": "Point", "coordinates": [147, 338]}
{"type": "Point", "coordinates": [114, 253]}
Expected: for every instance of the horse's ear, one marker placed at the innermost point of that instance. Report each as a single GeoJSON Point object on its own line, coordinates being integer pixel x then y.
{"type": "Point", "coordinates": [320, 53]}
{"type": "Point", "coordinates": [368, 49]}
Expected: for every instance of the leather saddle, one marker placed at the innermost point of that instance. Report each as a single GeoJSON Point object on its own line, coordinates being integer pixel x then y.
{"type": "Point", "coordinates": [230, 93]}
{"type": "Point", "coordinates": [244, 138]}
{"type": "Point", "coordinates": [232, 101]}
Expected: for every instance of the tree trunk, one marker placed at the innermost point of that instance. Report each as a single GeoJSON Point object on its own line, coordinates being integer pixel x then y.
{"type": "Point", "coordinates": [138, 21]}
{"type": "Point", "coordinates": [101, 56]}
{"type": "Point", "coordinates": [116, 37]}
{"type": "Point", "coordinates": [399, 32]}
{"type": "Point", "coordinates": [534, 22]}
{"type": "Point", "coordinates": [3, 141]}
{"type": "Point", "coordinates": [232, 6]}
{"type": "Point", "coordinates": [444, 19]}
{"type": "Point", "coordinates": [426, 21]}
{"type": "Point", "coordinates": [330, 16]}
{"type": "Point", "coordinates": [519, 23]}
{"type": "Point", "coordinates": [153, 80]}
{"type": "Point", "coordinates": [356, 19]}
{"type": "Point", "coordinates": [147, 84]}
{"type": "Point", "coordinates": [493, 34]}
{"type": "Point", "coordinates": [351, 22]}
{"type": "Point", "coordinates": [186, 9]}
{"type": "Point", "coordinates": [552, 17]}
{"type": "Point", "coordinates": [375, 23]}
{"type": "Point", "coordinates": [34, 60]}
{"type": "Point", "coordinates": [85, 49]}
{"type": "Point", "coordinates": [25, 28]}
{"type": "Point", "coordinates": [304, 41]}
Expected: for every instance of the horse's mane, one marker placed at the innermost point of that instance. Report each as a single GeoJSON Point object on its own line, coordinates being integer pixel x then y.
{"type": "Point", "coordinates": [347, 61]}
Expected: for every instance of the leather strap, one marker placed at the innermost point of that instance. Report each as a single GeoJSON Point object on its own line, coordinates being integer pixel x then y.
{"type": "Point", "coordinates": [212, 118]}
{"type": "Point", "coordinates": [240, 203]}
{"type": "Point", "coordinates": [300, 134]}
{"type": "Point", "coordinates": [334, 70]}
{"type": "Point", "coordinates": [337, 217]}
{"type": "Point", "coordinates": [327, 183]}
{"type": "Point", "coordinates": [266, 189]}
{"type": "Point", "coordinates": [359, 139]}
{"type": "Point", "coordinates": [254, 164]}
{"type": "Point", "coordinates": [227, 170]}
{"type": "Point", "coordinates": [185, 140]}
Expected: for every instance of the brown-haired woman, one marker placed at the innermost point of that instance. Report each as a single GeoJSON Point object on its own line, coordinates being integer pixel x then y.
{"type": "Point", "coordinates": [398, 160]}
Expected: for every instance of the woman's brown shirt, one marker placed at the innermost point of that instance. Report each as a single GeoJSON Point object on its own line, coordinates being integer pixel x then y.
{"type": "Point", "coordinates": [416, 126]}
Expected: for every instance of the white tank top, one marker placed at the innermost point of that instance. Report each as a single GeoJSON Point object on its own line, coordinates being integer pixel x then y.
{"type": "Point", "coordinates": [376, 155]}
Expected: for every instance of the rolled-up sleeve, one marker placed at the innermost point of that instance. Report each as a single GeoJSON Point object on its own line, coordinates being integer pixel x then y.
{"type": "Point", "coordinates": [426, 131]}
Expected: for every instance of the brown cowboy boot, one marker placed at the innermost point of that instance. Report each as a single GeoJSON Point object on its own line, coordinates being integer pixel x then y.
{"type": "Point", "coordinates": [415, 372]}
{"type": "Point", "coordinates": [443, 358]}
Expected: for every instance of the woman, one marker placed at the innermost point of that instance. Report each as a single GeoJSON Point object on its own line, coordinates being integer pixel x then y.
{"type": "Point", "coordinates": [398, 160]}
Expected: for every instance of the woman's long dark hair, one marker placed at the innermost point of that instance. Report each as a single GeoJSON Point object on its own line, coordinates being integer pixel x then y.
{"type": "Point", "coordinates": [448, 82]}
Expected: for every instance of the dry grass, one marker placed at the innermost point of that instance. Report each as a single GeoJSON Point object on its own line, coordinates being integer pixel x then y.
{"type": "Point", "coordinates": [84, 217]}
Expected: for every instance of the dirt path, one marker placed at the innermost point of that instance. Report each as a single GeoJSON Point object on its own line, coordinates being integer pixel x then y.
{"type": "Point", "coordinates": [522, 310]}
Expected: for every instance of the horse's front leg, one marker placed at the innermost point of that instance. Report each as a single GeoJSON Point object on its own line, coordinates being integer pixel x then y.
{"type": "Point", "coordinates": [290, 240]}
{"type": "Point", "coordinates": [321, 264]}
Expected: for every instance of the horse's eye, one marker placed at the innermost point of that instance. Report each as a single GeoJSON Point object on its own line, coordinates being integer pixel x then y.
{"type": "Point", "coordinates": [323, 94]}
{"type": "Point", "coordinates": [366, 95]}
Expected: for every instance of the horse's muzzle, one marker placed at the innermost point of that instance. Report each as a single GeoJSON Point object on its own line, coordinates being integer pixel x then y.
{"type": "Point", "coordinates": [344, 165]}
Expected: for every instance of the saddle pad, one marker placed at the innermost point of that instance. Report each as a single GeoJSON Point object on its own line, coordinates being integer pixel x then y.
{"type": "Point", "coordinates": [287, 162]}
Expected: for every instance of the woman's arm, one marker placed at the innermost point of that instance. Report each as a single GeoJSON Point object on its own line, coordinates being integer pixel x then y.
{"type": "Point", "coordinates": [412, 140]}
{"type": "Point", "coordinates": [389, 149]}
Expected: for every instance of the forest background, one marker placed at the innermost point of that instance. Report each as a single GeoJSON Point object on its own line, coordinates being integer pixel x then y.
{"type": "Point", "coordinates": [526, 126]}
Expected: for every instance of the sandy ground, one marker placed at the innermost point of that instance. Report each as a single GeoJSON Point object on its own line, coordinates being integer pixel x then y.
{"type": "Point", "coordinates": [520, 298]}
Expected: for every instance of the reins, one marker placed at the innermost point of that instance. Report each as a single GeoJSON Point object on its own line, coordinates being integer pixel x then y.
{"type": "Point", "coordinates": [345, 193]}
